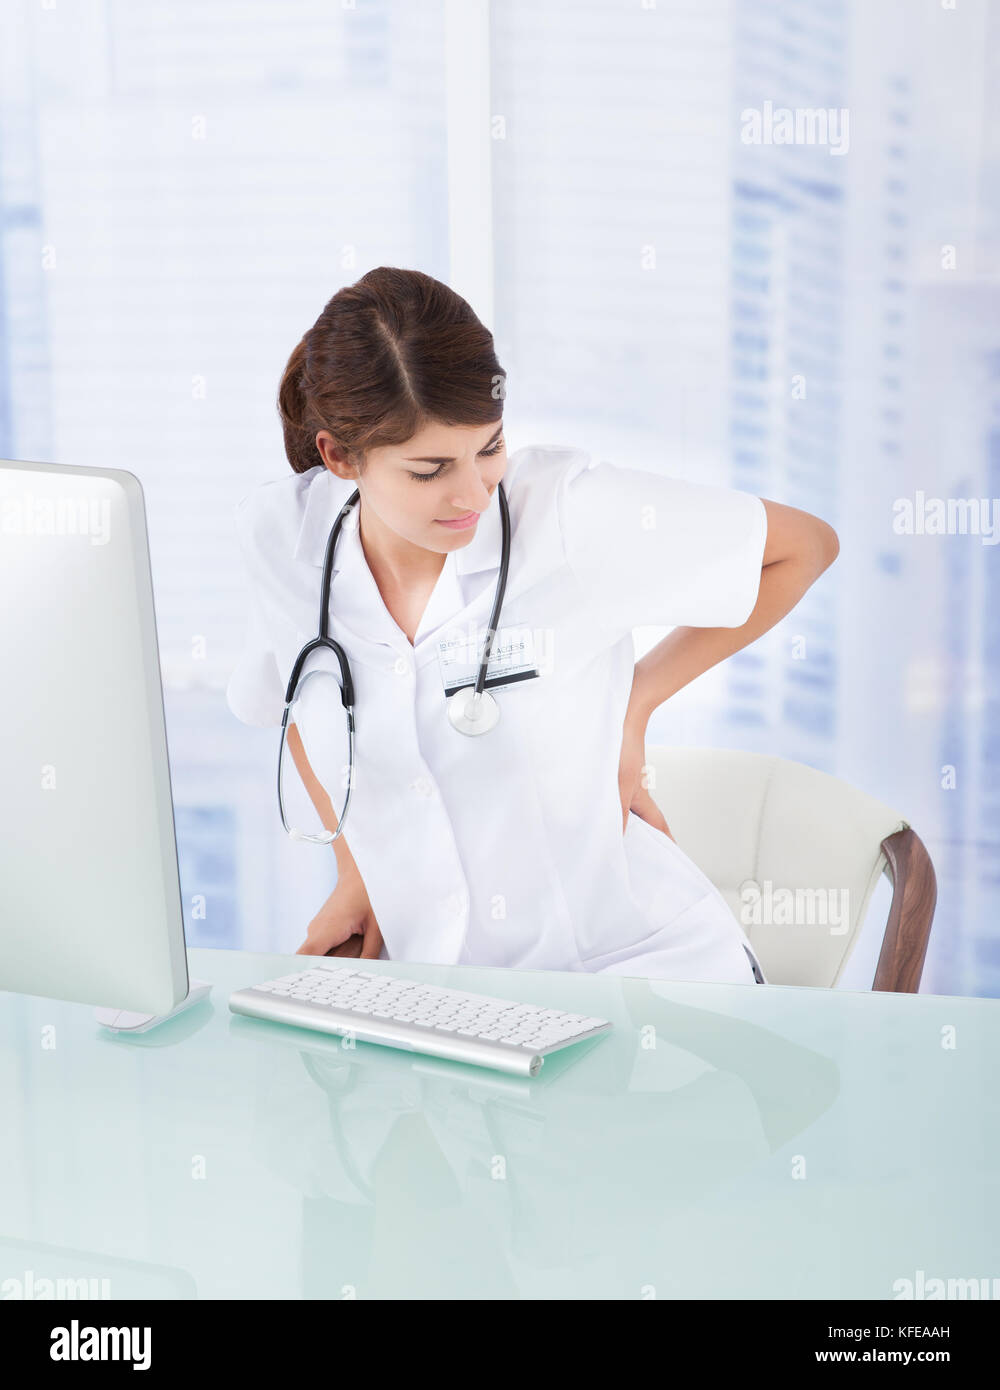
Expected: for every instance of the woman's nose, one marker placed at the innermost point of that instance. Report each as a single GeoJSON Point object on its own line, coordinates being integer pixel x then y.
{"type": "Point", "coordinates": [475, 495]}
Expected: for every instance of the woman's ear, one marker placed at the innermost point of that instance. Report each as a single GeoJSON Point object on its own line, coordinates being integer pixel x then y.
{"type": "Point", "coordinates": [335, 457]}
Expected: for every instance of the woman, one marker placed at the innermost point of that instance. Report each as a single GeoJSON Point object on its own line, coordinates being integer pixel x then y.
{"type": "Point", "coordinates": [537, 844]}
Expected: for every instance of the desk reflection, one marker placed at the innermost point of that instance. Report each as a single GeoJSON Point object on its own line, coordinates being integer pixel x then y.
{"type": "Point", "coordinates": [461, 1183]}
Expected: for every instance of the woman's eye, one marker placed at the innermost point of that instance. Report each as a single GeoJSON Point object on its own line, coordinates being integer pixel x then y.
{"type": "Point", "coordinates": [483, 453]}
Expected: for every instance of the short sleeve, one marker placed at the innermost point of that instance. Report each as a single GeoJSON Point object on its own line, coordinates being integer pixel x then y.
{"type": "Point", "coordinates": [651, 550]}
{"type": "Point", "coordinates": [255, 692]}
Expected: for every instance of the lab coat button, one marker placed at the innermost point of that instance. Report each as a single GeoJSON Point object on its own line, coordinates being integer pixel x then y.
{"type": "Point", "coordinates": [421, 786]}
{"type": "Point", "coordinates": [456, 904]}
{"type": "Point", "coordinates": [401, 666]}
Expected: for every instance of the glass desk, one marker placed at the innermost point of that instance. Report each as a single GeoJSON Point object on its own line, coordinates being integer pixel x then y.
{"type": "Point", "coordinates": [728, 1141]}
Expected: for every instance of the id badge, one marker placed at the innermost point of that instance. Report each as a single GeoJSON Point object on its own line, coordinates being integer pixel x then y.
{"type": "Point", "coordinates": [512, 656]}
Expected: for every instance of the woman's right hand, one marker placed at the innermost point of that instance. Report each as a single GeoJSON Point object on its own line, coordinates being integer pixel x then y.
{"type": "Point", "coordinates": [345, 925]}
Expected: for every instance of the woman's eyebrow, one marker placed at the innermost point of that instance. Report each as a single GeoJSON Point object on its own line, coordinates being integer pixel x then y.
{"type": "Point", "coordinates": [451, 460]}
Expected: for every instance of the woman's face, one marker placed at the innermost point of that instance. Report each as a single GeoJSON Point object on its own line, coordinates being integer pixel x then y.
{"type": "Point", "coordinates": [444, 473]}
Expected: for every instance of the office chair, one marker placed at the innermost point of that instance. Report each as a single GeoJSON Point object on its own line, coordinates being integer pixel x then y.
{"type": "Point", "coordinates": [769, 833]}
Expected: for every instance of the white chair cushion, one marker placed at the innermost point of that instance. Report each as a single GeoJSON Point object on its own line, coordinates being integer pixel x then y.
{"type": "Point", "coordinates": [794, 852]}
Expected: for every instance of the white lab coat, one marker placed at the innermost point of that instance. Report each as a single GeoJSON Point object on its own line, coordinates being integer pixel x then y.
{"type": "Point", "coordinates": [507, 849]}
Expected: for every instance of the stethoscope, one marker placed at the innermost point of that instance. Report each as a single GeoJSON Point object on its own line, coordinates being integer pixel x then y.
{"type": "Point", "coordinates": [471, 709]}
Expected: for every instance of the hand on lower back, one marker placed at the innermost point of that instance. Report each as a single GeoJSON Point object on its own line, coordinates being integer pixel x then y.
{"type": "Point", "coordinates": [634, 796]}
{"type": "Point", "coordinates": [646, 809]}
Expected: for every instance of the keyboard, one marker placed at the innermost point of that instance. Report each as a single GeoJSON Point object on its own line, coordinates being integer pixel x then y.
{"type": "Point", "coordinates": [393, 1011]}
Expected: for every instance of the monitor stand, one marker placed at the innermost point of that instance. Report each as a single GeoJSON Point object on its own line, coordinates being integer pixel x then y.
{"type": "Point", "coordinates": [122, 1021]}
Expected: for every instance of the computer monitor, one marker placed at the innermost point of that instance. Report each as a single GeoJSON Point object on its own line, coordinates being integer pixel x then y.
{"type": "Point", "coordinates": [90, 899]}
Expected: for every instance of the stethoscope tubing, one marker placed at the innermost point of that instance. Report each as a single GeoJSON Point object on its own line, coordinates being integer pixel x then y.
{"type": "Point", "coordinates": [324, 641]}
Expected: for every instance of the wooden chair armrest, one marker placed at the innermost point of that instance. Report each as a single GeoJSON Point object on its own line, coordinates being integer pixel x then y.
{"type": "Point", "coordinates": [914, 895]}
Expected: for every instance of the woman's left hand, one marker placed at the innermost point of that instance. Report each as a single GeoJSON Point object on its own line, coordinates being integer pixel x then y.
{"type": "Point", "coordinates": [634, 796]}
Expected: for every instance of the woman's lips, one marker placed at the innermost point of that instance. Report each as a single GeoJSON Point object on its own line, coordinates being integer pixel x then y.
{"type": "Point", "coordinates": [462, 523]}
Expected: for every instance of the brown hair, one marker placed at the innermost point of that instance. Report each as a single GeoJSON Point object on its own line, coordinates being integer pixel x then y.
{"type": "Point", "coordinates": [386, 356]}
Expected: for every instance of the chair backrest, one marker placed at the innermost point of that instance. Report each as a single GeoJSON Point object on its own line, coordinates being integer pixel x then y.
{"type": "Point", "coordinates": [796, 853]}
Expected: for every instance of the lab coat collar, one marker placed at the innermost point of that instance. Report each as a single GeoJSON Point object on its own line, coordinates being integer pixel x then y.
{"type": "Point", "coordinates": [327, 494]}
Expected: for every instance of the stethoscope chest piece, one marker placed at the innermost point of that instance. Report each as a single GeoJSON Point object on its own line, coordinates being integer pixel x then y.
{"type": "Point", "coordinates": [472, 715]}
